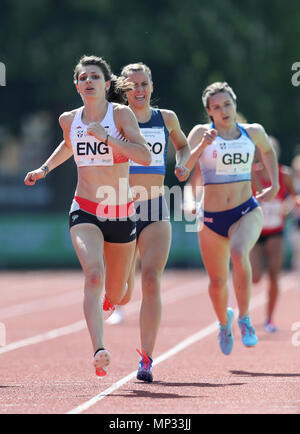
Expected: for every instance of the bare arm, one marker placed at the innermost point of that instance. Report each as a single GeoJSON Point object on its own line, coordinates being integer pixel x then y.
{"type": "Point", "coordinates": [196, 182]}
{"type": "Point", "coordinates": [180, 143]}
{"type": "Point", "coordinates": [269, 158]}
{"type": "Point", "coordinates": [193, 193]}
{"type": "Point", "coordinates": [293, 200]}
{"type": "Point", "coordinates": [199, 138]}
{"type": "Point", "coordinates": [135, 148]}
{"type": "Point", "coordinates": [62, 153]}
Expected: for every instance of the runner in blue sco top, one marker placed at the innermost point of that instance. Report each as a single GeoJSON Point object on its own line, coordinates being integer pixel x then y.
{"type": "Point", "coordinates": [232, 217]}
{"type": "Point", "coordinates": [153, 225]}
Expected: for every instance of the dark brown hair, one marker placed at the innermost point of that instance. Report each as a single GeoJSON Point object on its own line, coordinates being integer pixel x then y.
{"type": "Point", "coordinates": [117, 88]}
{"type": "Point", "coordinates": [93, 60]}
{"type": "Point", "coordinates": [215, 88]}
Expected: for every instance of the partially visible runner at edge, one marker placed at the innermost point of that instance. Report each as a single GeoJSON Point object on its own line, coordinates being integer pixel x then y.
{"type": "Point", "coordinates": [269, 249]}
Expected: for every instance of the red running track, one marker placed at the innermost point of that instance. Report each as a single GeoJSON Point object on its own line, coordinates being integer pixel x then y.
{"type": "Point", "coordinates": [46, 362]}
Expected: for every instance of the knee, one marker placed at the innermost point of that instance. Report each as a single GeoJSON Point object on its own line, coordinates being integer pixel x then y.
{"type": "Point", "coordinates": [94, 279]}
{"type": "Point", "coordinates": [239, 256]}
{"type": "Point", "coordinates": [256, 277]}
{"type": "Point", "coordinates": [151, 281]}
{"type": "Point", "coordinates": [217, 284]}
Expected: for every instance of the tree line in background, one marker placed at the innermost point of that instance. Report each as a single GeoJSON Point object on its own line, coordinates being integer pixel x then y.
{"type": "Point", "coordinates": [250, 44]}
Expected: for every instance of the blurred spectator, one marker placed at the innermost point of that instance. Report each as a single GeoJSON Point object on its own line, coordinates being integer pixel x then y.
{"type": "Point", "coordinates": [269, 249]}
{"type": "Point", "coordinates": [296, 216]}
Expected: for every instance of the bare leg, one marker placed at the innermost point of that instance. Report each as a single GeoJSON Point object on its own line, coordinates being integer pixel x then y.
{"type": "Point", "coordinates": [274, 251]}
{"type": "Point", "coordinates": [131, 279]}
{"type": "Point", "coordinates": [257, 259]}
{"type": "Point", "coordinates": [243, 235]}
{"type": "Point", "coordinates": [88, 243]}
{"type": "Point", "coordinates": [154, 245]}
{"type": "Point", "coordinates": [215, 255]}
{"type": "Point", "coordinates": [118, 261]}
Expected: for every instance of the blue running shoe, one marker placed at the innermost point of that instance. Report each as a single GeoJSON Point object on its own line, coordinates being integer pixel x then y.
{"type": "Point", "coordinates": [225, 336]}
{"type": "Point", "coordinates": [249, 337]}
{"type": "Point", "coordinates": [270, 327]}
{"type": "Point", "coordinates": [145, 367]}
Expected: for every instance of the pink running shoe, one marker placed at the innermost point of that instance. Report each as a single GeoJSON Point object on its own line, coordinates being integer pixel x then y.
{"type": "Point", "coordinates": [108, 308]}
{"type": "Point", "coordinates": [101, 361]}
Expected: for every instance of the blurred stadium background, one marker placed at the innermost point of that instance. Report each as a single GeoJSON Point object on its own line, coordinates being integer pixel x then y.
{"type": "Point", "coordinates": [250, 44]}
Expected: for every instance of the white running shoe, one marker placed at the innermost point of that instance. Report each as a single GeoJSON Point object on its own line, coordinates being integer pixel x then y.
{"type": "Point", "coordinates": [101, 361]}
{"type": "Point", "coordinates": [108, 308]}
{"type": "Point", "coordinates": [117, 317]}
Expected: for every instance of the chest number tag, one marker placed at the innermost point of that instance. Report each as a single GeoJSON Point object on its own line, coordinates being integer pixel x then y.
{"type": "Point", "coordinates": [233, 160]}
{"type": "Point", "coordinates": [156, 141]}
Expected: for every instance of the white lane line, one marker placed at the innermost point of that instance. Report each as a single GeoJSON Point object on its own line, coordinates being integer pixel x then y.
{"type": "Point", "coordinates": [62, 300]}
{"type": "Point", "coordinates": [41, 305]}
{"type": "Point", "coordinates": [179, 347]}
{"type": "Point", "coordinates": [168, 297]}
{"type": "Point", "coordinates": [52, 334]}
{"type": "Point", "coordinates": [257, 301]}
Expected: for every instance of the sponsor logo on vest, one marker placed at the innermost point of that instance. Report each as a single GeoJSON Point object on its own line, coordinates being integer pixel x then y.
{"type": "Point", "coordinates": [79, 132]}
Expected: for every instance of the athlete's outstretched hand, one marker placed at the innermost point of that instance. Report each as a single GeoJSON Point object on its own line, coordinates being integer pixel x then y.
{"type": "Point", "coordinates": [267, 194]}
{"type": "Point", "coordinates": [96, 130]}
{"type": "Point", "coordinates": [209, 136]}
{"type": "Point", "coordinates": [182, 173]}
{"type": "Point", "coordinates": [33, 176]}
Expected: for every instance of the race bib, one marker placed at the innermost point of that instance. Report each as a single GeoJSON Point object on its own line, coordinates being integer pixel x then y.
{"type": "Point", "coordinates": [233, 160]}
{"type": "Point", "coordinates": [156, 141]}
{"type": "Point", "coordinates": [89, 151]}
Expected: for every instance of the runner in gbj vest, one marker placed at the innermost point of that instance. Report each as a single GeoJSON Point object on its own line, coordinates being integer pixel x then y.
{"type": "Point", "coordinates": [232, 219]}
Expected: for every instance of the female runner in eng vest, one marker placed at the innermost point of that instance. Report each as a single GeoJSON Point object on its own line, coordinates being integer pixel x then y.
{"type": "Point", "coordinates": [102, 136]}
{"type": "Point", "coordinates": [152, 213]}
{"type": "Point", "coordinates": [232, 217]}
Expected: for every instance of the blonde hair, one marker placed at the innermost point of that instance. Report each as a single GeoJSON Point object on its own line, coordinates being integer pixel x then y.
{"type": "Point", "coordinates": [136, 67]}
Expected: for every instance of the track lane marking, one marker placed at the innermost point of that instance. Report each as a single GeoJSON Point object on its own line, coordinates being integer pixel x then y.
{"type": "Point", "coordinates": [257, 301]}
{"type": "Point", "coordinates": [168, 297]}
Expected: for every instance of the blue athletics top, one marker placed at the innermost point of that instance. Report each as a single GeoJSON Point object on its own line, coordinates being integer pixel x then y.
{"type": "Point", "coordinates": [157, 136]}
